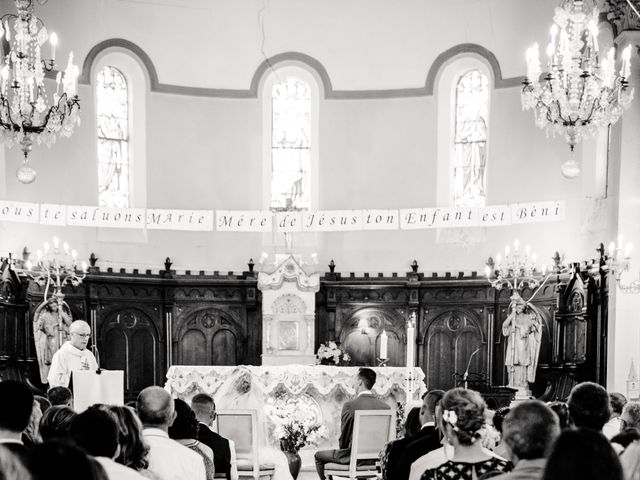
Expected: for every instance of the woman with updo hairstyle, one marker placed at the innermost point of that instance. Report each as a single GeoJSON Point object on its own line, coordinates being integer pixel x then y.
{"type": "Point", "coordinates": [185, 431]}
{"type": "Point", "coordinates": [463, 417]}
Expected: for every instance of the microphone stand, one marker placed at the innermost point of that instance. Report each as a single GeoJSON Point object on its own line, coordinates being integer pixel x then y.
{"type": "Point", "coordinates": [96, 353]}
{"type": "Point", "coordinates": [466, 372]}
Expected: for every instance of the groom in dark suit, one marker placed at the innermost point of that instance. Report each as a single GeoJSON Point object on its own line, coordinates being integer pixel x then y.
{"type": "Point", "coordinates": [363, 401]}
{"type": "Point", "coordinates": [407, 450]}
{"type": "Point", "coordinates": [205, 410]}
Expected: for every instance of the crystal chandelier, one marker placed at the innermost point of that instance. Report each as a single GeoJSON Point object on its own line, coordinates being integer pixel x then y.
{"type": "Point", "coordinates": [578, 92]}
{"type": "Point", "coordinates": [26, 116]}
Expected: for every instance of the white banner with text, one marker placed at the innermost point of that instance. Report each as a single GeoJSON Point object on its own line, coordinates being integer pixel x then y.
{"type": "Point", "coordinates": [263, 221]}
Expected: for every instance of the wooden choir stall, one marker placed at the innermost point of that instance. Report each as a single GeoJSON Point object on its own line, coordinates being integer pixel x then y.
{"type": "Point", "coordinates": [145, 323]}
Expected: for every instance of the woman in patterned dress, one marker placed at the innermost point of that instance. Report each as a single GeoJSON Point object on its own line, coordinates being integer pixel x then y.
{"type": "Point", "coordinates": [462, 420]}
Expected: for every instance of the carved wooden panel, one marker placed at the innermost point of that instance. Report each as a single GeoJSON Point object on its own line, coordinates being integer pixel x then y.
{"type": "Point", "coordinates": [210, 336]}
{"type": "Point", "coordinates": [449, 340]}
{"type": "Point", "coordinates": [360, 336]}
{"type": "Point", "coordinates": [129, 341]}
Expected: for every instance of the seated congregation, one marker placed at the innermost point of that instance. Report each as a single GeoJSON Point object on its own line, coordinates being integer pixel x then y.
{"type": "Point", "coordinates": [452, 435]}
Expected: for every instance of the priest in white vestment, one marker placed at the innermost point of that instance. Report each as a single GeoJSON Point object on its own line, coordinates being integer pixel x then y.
{"type": "Point", "coordinates": [72, 356]}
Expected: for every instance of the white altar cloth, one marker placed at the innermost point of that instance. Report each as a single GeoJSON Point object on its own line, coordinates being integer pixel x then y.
{"type": "Point", "coordinates": [320, 390]}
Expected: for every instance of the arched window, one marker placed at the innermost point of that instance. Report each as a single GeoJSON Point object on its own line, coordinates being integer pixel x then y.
{"type": "Point", "coordinates": [112, 109]}
{"type": "Point", "coordinates": [291, 144]}
{"type": "Point", "coordinates": [470, 140]}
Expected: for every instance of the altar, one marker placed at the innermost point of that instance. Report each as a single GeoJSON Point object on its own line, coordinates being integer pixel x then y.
{"type": "Point", "coordinates": [320, 390]}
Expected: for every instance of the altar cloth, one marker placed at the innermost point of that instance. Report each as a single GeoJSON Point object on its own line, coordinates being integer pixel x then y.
{"type": "Point", "coordinates": [319, 390]}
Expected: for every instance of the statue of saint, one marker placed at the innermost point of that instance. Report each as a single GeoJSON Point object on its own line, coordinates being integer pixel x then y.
{"type": "Point", "coordinates": [50, 330]}
{"type": "Point", "coordinates": [523, 329]}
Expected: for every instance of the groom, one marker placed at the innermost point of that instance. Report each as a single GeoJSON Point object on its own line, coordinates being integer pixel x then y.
{"type": "Point", "coordinates": [364, 401]}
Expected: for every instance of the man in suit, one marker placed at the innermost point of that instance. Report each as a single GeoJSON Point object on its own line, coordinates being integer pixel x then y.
{"type": "Point", "coordinates": [406, 450]}
{"type": "Point", "coordinates": [205, 410]}
{"type": "Point", "coordinates": [364, 401]}
{"type": "Point", "coordinates": [16, 405]}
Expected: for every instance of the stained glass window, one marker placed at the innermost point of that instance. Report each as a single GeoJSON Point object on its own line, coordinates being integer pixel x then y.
{"type": "Point", "coordinates": [112, 98]}
{"type": "Point", "coordinates": [291, 145]}
{"type": "Point", "coordinates": [469, 165]}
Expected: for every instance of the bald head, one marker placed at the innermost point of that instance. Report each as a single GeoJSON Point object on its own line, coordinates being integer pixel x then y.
{"type": "Point", "coordinates": [80, 332]}
{"type": "Point", "coordinates": [155, 408]}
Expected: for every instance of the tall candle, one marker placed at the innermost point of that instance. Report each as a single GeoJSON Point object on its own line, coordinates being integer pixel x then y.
{"type": "Point", "coordinates": [383, 345]}
{"type": "Point", "coordinates": [410, 344]}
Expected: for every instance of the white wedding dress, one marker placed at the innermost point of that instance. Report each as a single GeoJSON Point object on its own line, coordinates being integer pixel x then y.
{"type": "Point", "coordinates": [239, 393]}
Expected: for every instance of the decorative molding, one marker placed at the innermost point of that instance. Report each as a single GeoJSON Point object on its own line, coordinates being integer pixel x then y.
{"type": "Point", "coordinates": [621, 16]}
{"type": "Point", "coordinates": [301, 58]}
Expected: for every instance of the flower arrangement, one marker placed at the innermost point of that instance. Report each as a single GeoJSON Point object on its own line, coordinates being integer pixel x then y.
{"type": "Point", "coordinates": [330, 354]}
{"type": "Point", "coordinates": [294, 427]}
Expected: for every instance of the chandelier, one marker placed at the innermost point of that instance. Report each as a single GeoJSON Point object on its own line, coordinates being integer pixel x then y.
{"type": "Point", "coordinates": [578, 92]}
{"type": "Point", "coordinates": [26, 115]}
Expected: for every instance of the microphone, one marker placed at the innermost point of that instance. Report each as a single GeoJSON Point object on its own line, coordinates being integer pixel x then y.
{"type": "Point", "coordinates": [96, 353]}
{"type": "Point", "coordinates": [466, 372]}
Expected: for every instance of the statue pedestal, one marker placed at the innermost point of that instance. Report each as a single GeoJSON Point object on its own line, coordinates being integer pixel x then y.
{"type": "Point", "coordinates": [288, 312]}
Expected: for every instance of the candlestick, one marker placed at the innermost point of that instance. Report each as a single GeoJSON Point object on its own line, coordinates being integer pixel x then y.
{"type": "Point", "coordinates": [410, 341]}
{"type": "Point", "coordinates": [383, 345]}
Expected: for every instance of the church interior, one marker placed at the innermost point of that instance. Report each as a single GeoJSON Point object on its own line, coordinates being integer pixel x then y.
{"type": "Point", "coordinates": [244, 183]}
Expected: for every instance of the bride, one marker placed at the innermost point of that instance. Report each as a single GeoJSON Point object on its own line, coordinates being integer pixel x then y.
{"type": "Point", "coordinates": [239, 392]}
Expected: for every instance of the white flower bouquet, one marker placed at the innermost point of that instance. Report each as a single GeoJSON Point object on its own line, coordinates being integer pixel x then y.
{"type": "Point", "coordinates": [330, 354]}
{"type": "Point", "coordinates": [294, 427]}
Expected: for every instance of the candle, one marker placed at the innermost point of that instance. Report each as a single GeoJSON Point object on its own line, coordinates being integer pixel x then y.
{"type": "Point", "coordinates": [53, 39]}
{"type": "Point", "coordinates": [627, 250]}
{"type": "Point", "coordinates": [487, 271]}
{"type": "Point", "coordinates": [383, 345]}
{"type": "Point", "coordinates": [612, 249]}
{"type": "Point", "coordinates": [56, 242]}
{"type": "Point", "coordinates": [410, 344]}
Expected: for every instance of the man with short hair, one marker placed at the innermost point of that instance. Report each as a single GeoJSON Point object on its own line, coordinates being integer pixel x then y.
{"type": "Point", "coordinates": [617, 401]}
{"type": "Point", "coordinates": [589, 406]}
{"type": "Point", "coordinates": [60, 396]}
{"type": "Point", "coordinates": [529, 429]}
{"type": "Point", "coordinates": [96, 432]}
{"type": "Point", "coordinates": [168, 460]}
{"type": "Point", "coordinates": [223, 449]}
{"type": "Point", "coordinates": [72, 356]}
{"type": "Point", "coordinates": [407, 450]}
{"type": "Point", "coordinates": [364, 400]}
{"type": "Point", "coordinates": [16, 406]}
{"type": "Point", "coordinates": [630, 417]}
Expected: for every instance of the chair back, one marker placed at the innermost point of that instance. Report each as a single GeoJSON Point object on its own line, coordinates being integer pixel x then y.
{"type": "Point", "coordinates": [372, 430]}
{"type": "Point", "coordinates": [241, 427]}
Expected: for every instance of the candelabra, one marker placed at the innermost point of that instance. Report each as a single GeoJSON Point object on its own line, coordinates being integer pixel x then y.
{"type": "Point", "coordinates": [516, 269]}
{"type": "Point", "coordinates": [580, 91]}
{"type": "Point", "coordinates": [56, 267]}
{"type": "Point", "coordinates": [618, 262]}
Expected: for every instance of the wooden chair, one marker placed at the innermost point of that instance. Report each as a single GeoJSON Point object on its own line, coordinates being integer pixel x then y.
{"type": "Point", "coordinates": [241, 426]}
{"type": "Point", "coordinates": [372, 429]}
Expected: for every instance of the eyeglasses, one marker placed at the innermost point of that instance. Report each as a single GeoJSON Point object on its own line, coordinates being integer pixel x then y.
{"type": "Point", "coordinates": [83, 335]}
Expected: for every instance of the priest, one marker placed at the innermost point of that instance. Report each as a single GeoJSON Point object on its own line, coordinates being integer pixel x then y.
{"type": "Point", "coordinates": [72, 356]}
